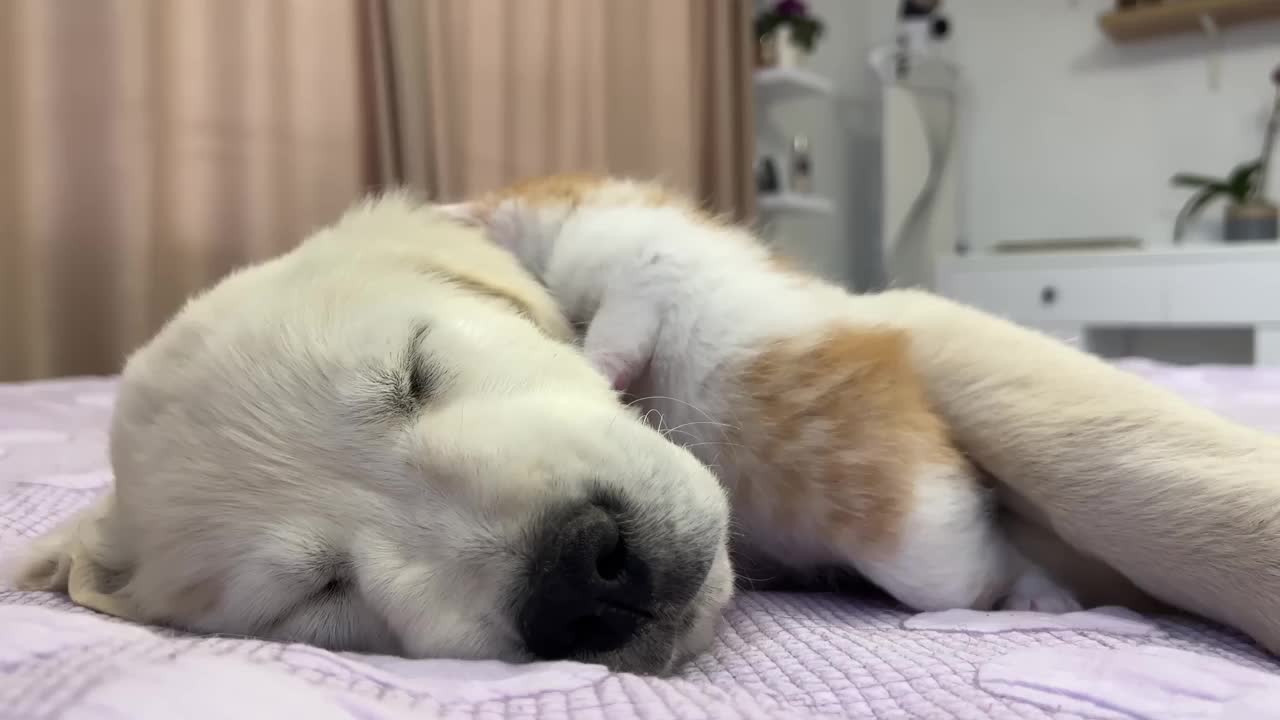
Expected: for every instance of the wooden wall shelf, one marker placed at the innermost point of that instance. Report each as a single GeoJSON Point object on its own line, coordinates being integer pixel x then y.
{"type": "Point", "coordinates": [1183, 16]}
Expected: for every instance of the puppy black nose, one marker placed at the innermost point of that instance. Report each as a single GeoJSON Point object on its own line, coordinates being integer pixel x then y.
{"type": "Point", "coordinates": [588, 592]}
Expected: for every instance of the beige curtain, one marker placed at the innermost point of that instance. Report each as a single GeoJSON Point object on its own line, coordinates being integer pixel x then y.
{"type": "Point", "coordinates": [149, 146]}
{"type": "Point", "coordinates": [478, 93]}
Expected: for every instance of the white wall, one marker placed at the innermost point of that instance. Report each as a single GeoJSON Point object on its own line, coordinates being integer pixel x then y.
{"type": "Point", "coordinates": [1068, 135]}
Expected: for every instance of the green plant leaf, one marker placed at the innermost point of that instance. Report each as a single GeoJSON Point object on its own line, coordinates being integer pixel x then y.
{"type": "Point", "coordinates": [1192, 180]}
{"type": "Point", "coordinates": [1243, 179]}
{"type": "Point", "coordinates": [767, 23]}
{"type": "Point", "coordinates": [1196, 202]}
{"type": "Point", "coordinates": [1193, 206]}
{"type": "Point", "coordinates": [1246, 168]}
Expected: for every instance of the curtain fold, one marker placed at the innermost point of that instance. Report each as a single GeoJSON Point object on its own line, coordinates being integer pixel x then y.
{"type": "Point", "coordinates": [492, 91]}
{"type": "Point", "coordinates": [148, 147]}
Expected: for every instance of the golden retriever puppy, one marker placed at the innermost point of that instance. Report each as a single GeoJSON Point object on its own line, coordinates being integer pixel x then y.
{"type": "Point", "coordinates": [381, 441]}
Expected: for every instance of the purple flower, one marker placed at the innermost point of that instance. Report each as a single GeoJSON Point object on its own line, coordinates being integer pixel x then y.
{"type": "Point", "coordinates": [792, 7]}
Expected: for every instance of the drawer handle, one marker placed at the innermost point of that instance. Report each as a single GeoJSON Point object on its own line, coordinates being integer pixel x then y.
{"type": "Point", "coordinates": [1048, 295]}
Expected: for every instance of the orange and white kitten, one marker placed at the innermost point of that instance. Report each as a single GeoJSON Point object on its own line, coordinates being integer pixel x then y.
{"type": "Point", "coordinates": [802, 402]}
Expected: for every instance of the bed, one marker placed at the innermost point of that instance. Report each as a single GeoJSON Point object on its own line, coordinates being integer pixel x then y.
{"type": "Point", "coordinates": [778, 655]}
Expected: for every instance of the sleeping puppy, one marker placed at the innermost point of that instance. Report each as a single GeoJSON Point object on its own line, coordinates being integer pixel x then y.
{"type": "Point", "coordinates": [381, 442]}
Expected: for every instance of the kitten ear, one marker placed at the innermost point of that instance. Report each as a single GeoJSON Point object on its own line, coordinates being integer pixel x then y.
{"type": "Point", "coordinates": [467, 213]}
{"type": "Point", "coordinates": [508, 222]}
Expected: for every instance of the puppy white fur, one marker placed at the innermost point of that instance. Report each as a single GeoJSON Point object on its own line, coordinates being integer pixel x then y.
{"type": "Point", "coordinates": [361, 445]}
{"type": "Point", "coordinates": [784, 384]}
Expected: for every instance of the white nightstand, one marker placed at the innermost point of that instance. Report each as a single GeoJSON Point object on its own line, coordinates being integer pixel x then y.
{"type": "Point", "coordinates": [1069, 293]}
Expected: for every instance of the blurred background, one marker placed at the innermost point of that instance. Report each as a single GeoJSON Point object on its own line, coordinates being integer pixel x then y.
{"type": "Point", "coordinates": [1018, 155]}
{"type": "Point", "coordinates": [150, 146]}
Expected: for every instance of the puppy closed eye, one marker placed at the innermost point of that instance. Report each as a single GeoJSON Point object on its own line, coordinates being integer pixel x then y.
{"type": "Point", "coordinates": [424, 381]}
{"type": "Point", "coordinates": [421, 377]}
{"type": "Point", "coordinates": [408, 384]}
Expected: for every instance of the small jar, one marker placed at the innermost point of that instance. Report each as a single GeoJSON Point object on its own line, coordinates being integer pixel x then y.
{"type": "Point", "coordinates": [767, 181]}
{"type": "Point", "coordinates": [801, 176]}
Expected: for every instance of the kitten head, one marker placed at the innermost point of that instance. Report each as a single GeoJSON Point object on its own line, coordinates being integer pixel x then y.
{"type": "Point", "coordinates": [527, 216]}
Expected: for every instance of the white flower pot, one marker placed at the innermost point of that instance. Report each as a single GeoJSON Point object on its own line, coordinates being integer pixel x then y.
{"type": "Point", "coordinates": [778, 49]}
{"type": "Point", "coordinates": [789, 53]}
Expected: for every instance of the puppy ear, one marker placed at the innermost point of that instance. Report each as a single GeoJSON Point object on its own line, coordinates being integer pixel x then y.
{"type": "Point", "coordinates": [84, 559]}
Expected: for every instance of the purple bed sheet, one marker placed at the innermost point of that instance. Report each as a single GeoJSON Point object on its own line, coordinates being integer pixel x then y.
{"type": "Point", "coordinates": [777, 655]}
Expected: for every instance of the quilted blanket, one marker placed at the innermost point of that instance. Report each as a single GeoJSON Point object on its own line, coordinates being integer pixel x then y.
{"type": "Point", "coordinates": [777, 655]}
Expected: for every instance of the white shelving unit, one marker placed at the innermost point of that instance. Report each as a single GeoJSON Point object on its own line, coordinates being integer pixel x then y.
{"type": "Point", "coordinates": [794, 203]}
{"type": "Point", "coordinates": [782, 84]}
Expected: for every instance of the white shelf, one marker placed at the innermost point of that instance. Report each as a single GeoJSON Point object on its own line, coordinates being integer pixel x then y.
{"type": "Point", "coordinates": [779, 83]}
{"type": "Point", "coordinates": [1151, 21]}
{"type": "Point", "coordinates": [1156, 256]}
{"type": "Point", "coordinates": [794, 203]}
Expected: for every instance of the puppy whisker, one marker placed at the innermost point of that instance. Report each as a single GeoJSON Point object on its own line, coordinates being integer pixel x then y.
{"type": "Point", "coordinates": [661, 420]}
{"type": "Point", "coordinates": [722, 444]}
{"type": "Point", "coordinates": [676, 400]}
{"type": "Point", "coordinates": [669, 433]}
{"type": "Point", "coordinates": [700, 422]}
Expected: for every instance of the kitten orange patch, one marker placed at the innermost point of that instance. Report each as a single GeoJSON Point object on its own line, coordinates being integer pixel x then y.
{"type": "Point", "coordinates": [549, 190]}
{"type": "Point", "coordinates": [578, 189]}
{"type": "Point", "coordinates": [838, 423]}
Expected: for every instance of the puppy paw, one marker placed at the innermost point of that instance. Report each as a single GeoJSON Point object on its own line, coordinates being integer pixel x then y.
{"type": "Point", "coordinates": [1035, 591]}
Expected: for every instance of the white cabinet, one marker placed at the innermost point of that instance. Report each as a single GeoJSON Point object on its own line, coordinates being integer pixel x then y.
{"type": "Point", "coordinates": [1222, 292]}
{"type": "Point", "coordinates": [1070, 293]}
{"type": "Point", "coordinates": [1050, 297]}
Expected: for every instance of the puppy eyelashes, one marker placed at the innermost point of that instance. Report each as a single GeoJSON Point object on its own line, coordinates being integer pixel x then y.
{"type": "Point", "coordinates": [420, 377]}
{"type": "Point", "coordinates": [406, 385]}
{"type": "Point", "coordinates": [424, 381]}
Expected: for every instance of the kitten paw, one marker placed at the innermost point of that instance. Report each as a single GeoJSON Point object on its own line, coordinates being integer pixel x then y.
{"type": "Point", "coordinates": [506, 223]}
{"type": "Point", "coordinates": [1035, 591]}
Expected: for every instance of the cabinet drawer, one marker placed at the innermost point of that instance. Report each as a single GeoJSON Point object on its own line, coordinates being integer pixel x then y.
{"type": "Point", "coordinates": [1047, 297]}
{"type": "Point", "coordinates": [1225, 293]}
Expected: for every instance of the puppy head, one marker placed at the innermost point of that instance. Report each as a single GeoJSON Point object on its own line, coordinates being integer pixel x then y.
{"type": "Point", "coordinates": [347, 448]}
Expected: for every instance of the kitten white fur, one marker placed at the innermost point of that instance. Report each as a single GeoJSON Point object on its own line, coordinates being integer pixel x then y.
{"type": "Point", "coordinates": [671, 303]}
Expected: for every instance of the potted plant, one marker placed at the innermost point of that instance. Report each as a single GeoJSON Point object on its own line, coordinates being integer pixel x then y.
{"type": "Point", "coordinates": [1250, 216]}
{"type": "Point", "coordinates": [786, 34]}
